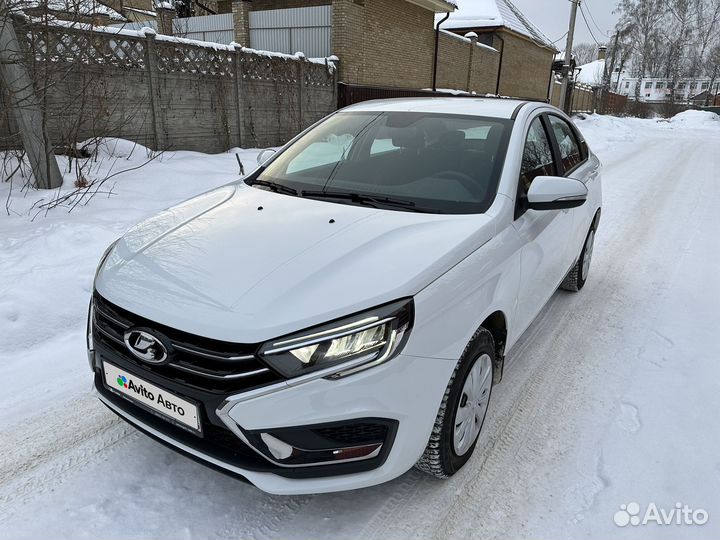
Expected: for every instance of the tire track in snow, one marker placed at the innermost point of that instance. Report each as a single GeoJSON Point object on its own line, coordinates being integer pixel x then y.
{"type": "Point", "coordinates": [37, 454]}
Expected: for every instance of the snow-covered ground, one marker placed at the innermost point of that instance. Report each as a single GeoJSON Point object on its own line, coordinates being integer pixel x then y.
{"type": "Point", "coordinates": [610, 398]}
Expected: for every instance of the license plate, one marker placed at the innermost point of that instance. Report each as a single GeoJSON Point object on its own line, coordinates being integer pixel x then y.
{"type": "Point", "coordinates": [158, 399]}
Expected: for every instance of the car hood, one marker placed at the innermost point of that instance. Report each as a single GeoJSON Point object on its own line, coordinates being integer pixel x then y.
{"type": "Point", "coordinates": [245, 265]}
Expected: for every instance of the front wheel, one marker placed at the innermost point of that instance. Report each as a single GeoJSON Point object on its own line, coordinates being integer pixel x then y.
{"type": "Point", "coordinates": [575, 280]}
{"type": "Point", "coordinates": [462, 411]}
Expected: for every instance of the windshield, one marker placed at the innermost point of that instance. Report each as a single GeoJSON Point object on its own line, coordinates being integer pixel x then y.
{"type": "Point", "coordinates": [398, 160]}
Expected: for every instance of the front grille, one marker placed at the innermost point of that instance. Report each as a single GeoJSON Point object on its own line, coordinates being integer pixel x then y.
{"type": "Point", "coordinates": [207, 364]}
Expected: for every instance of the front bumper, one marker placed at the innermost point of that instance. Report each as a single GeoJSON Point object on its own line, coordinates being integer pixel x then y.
{"type": "Point", "coordinates": [405, 393]}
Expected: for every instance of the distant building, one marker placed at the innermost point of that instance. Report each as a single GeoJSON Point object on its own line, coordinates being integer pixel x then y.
{"type": "Point", "coordinates": [660, 90]}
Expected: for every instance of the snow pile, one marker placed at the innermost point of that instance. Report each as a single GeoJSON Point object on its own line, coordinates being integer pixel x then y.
{"type": "Point", "coordinates": [602, 132]}
{"type": "Point", "coordinates": [696, 119]}
{"type": "Point", "coordinates": [48, 255]}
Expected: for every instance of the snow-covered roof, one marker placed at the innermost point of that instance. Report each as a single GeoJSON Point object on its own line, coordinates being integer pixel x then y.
{"type": "Point", "coordinates": [85, 8]}
{"type": "Point", "coordinates": [438, 6]}
{"type": "Point", "coordinates": [474, 14]}
{"type": "Point", "coordinates": [140, 11]}
{"type": "Point", "coordinates": [591, 73]}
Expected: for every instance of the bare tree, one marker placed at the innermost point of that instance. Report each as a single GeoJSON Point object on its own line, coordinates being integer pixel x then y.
{"type": "Point", "coordinates": [707, 33]}
{"type": "Point", "coordinates": [65, 62]}
{"type": "Point", "coordinates": [677, 31]}
{"type": "Point", "coordinates": [585, 53]}
{"type": "Point", "coordinates": [668, 38]}
{"type": "Point", "coordinates": [619, 52]}
{"type": "Point", "coordinates": [645, 16]}
{"type": "Point", "coordinates": [713, 67]}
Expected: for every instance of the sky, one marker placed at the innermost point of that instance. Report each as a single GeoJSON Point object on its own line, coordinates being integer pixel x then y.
{"type": "Point", "coordinates": [552, 17]}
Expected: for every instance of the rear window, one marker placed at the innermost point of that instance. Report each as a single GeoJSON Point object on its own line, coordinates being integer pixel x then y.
{"type": "Point", "coordinates": [570, 151]}
{"type": "Point", "coordinates": [437, 163]}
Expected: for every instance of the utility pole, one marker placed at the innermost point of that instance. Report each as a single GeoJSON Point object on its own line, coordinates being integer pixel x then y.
{"type": "Point", "coordinates": [26, 109]}
{"type": "Point", "coordinates": [568, 53]}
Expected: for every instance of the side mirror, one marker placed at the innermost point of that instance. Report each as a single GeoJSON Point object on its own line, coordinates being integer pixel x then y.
{"type": "Point", "coordinates": [556, 193]}
{"type": "Point", "coordinates": [265, 155]}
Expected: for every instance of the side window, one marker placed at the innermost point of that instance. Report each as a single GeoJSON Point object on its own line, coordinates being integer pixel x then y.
{"type": "Point", "coordinates": [567, 142]}
{"type": "Point", "coordinates": [537, 156]}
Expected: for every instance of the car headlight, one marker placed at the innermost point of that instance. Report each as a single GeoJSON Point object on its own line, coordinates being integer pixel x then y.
{"type": "Point", "coordinates": [345, 346]}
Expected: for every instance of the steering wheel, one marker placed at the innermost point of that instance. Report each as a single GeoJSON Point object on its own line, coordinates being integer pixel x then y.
{"type": "Point", "coordinates": [467, 181]}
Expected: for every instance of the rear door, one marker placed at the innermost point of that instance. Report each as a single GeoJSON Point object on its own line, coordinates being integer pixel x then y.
{"type": "Point", "coordinates": [545, 234]}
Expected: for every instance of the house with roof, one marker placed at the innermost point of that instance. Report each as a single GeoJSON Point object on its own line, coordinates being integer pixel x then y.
{"type": "Point", "coordinates": [387, 43]}
{"type": "Point", "coordinates": [96, 12]}
{"type": "Point", "coordinates": [526, 53]}
{"type": "Point", "coordinates": [83, 11]}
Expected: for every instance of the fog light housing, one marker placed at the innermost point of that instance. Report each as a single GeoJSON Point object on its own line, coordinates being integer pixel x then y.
{"type": "Point", "coordinates": [326, 444]}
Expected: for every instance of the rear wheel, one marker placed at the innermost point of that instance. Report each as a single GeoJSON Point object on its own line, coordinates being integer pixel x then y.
{"type": "Point", "coordinates": [575, 280]}
{"type": "Point", "coordinates": [463, 409]}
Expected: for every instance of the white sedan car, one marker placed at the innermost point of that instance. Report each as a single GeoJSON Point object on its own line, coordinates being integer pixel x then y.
{"type": "Point", "coordinates": [341, 314]}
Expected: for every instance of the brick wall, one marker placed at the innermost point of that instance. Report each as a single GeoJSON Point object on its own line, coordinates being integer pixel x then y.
{"type": "Point", "coordinates": [392, 43]}
{"type": "Point", "coordinates": [348, 39]}
{"type": "Point", "coordinates": [384, 42]}
{"type": "Point", "coordinates": [525, 67]}
{"type": "Point", "coordinates": [262, 5]}
{"type": "Point", "coordinates": [241, 21]}
{"type": "Point", "coordinates": [465, 65]}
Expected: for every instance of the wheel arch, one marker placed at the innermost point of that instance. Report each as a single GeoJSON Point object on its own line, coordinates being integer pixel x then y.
{"type": "Point", "coordinates": [496, 324]}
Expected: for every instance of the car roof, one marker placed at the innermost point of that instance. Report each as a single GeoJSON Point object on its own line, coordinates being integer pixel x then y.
{"type": "Point", "coordinates": [489, 107]}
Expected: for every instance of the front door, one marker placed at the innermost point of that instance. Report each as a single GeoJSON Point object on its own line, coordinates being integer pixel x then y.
{"type": "Point", "coordinates": [544, 259]}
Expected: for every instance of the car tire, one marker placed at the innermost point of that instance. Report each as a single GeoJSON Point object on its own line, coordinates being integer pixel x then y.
{"type": "Point", "coordinates": [575, 280]}
{"type": "Point", "coordinates": [465, 398]}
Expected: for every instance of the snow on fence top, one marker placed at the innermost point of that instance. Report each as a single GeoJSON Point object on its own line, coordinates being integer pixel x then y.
{"type": "Point", "coordinates": [467, 39]}
{"type": "Point", "coordinates": [118, 47]}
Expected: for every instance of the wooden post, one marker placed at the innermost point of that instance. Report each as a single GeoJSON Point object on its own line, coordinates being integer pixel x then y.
{"type": "Point", "coordinates": [151, 66]}
{"type": "Point", "coordinates": [301, 92]}
{"type": "Point", "coordinates": [26, 107]}
{"type": "Point", "coordinates": [335, 61]}
{"type": "Point", "coordinates": [239, 93]}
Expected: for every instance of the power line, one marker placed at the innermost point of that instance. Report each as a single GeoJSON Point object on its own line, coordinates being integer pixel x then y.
{"type": "Point", "coordinates": [582, 12]}
{"type": "Point", "coordinates": [560, 38]}
{"type": "Point", "coordinates": [592, 18]}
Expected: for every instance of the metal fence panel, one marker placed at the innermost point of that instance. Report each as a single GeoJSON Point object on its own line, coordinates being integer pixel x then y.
{"type": "Point", "coordinates": [293, 30]}
{"type": "Point", "coordinates": [215, 28]}
{"type": "Point", "coordinates": [271, 39]}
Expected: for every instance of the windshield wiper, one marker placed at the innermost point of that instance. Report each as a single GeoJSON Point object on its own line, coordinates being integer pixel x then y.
{"type": "Point", "coordinates": [273, 186]}
{"type": "Point", "coordinates": [369, 200]}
